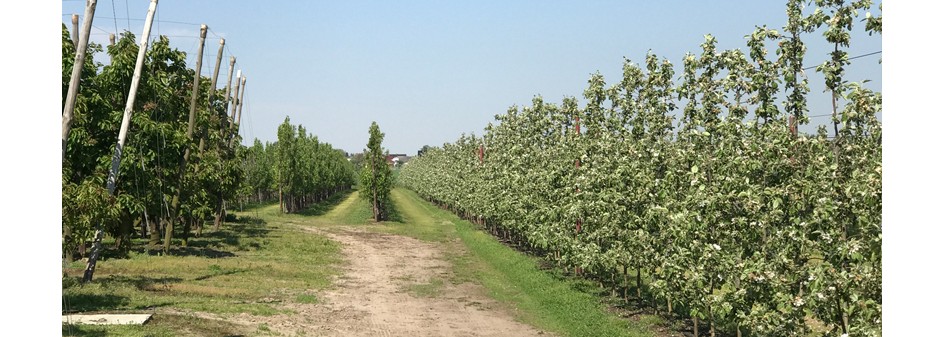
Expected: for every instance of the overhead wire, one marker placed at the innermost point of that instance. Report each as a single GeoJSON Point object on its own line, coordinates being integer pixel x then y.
{"type": "Point", "coordinates": [849, 58]}
{"type": "Point", "coordinates": [113, 17]}
{"type": "Point", "coordinates": [127, 15]}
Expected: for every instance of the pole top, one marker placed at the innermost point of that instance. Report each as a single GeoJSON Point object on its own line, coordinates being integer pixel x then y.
{"type": "Point", "coordinates": [232, 60]}
{"type": "Point", "coordinates": [243, 79]}
{"type": "Point", "coordinates": [203, 31]}
{"type": "Point", "coordinates": [222, 41]}
{"type": "Point", "coordinates": [75, 19]}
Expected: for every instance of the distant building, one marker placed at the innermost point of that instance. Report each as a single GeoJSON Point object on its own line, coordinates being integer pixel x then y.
{"type": "Point", "coordinates": [397, 159]}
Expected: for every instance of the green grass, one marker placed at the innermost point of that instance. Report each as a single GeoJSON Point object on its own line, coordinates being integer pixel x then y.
{"type": "Point", "coordinates": [416, 221]}
{"type": "Point", "coordinates": [306, 298]}
{"type": "Point", "coordinates": [352, 211]}
{"type": "Point", "coordinates": [251, 266]}
{"type": "Point", "coordinates": [541, 298]}
{"type": "Point", "coordinates": [433, 288]}
{"type": "Point", "coordinates": [264, 260]}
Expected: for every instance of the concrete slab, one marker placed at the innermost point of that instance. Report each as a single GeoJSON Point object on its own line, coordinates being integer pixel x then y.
{"type": "Point", "coordinates": [107, 319]}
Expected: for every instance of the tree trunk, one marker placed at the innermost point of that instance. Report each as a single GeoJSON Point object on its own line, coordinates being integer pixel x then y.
{"type": "Point", "coordinates": [67, 252]}
{"type": "Point", "coordinates": [155, 233]}
{"type": "Point", "coordinates": [218, 218]}
{"type": "Point", "coordinates": [695, 326]}
{"type": "Point", "coordinates": [669, 305]}
{"type": "Point", "coordinates": [187, 221]}
{"type": "Point", "coordinates": [123, 243]}
{"type": "Point", "coordinates": [198, 223]}
{"type": "Point", "coordinates": [626, 285]}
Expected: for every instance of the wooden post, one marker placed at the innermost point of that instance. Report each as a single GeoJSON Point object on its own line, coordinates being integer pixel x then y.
{"type": "Point", "coordinates": [211, 95]}
{"type": "Point", "coordinates": [75, 30]}
{"type": "Point", "coordinates": [111, 39]}
{"type": "Point", "coordinates": [212, 112]}
{"type": "Point", "coordinates": [236, 94]}
{"type": "Point", "coordinates": [239, 106]}
{"type": "Point", "coordinates": [229, 86]}
{"type": "Point", "coordinates": [122, 134]}
{"type": "Point", "coordinates": [175, 203]}
{"type": "Point", "coordinates": [216, 70]}
{"type": "Point", "coordinates": [81, 45]}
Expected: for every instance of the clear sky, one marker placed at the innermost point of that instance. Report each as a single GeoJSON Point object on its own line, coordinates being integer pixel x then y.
{"type": "Point", "coordinates": [428, 71]}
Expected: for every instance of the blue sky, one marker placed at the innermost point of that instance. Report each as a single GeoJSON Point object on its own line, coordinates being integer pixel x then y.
{"type": "Point", "coordinates": [428, 71]}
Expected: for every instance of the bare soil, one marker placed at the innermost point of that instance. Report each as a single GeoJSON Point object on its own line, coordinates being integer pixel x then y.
{"type": "Point", "coordinates": [377, 295]}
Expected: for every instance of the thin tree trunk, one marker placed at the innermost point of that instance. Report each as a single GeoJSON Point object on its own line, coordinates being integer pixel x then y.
{"type": "Point", "coordinates": [219, 213]}
{"type": "Point", "coordinates": [155, 233]}
{"type": "Point", "coordinates": [186, 229]}
{"type": "Point", "coordinates": [67, 251]}
{"type": "Point", "coordinates": [695, 326]}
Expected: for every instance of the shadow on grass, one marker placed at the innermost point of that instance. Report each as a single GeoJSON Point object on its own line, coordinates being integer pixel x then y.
{"type": "Point", "coordinates": [326, 205]}
{"type": "Point", "coordinates": [246, 220]}
{"type": "Point", "coordinates": [78, 330]}
{"type": "Point", "coordinates": [393, 214]}
{"type": "Point", "coordinates": [75, 303]}
{"type": "Point", "coordinates": [221, 273]}
{"type": "Point", "coordinates": [210, 244]}
{"type": "Point", "coordinates": [140, 282]}
{"type": "Point", "coordinates": [206, 252]}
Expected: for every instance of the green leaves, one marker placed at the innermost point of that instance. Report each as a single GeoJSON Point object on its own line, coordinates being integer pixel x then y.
{"type": "Point", "coordinates": [376, 176]}
{"type": "Point", "coordinates": [745, 222]}
{"type": "Point", "coordinates": [303, 170]}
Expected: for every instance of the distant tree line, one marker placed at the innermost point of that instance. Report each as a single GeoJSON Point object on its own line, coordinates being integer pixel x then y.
{"type": "Point", "coordinates": [297, 170]}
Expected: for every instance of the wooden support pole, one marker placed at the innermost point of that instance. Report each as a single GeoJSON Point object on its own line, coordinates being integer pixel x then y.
{"type": "Point", "coordinates": [236, 94]}
{"type": "Point", "coordinates": [239, 106]}
{"type": "Point", "coordinates": [175, 202]}
{"type": "Point", "coordinates": [238, 109]}
{"type": "Point", "coordinates": [81, 44]}
{"type": "Point", "coordinates": [122, 134]}
{"type": "Point", "coordinates": [111, 39]}
{"type": "Point", "coordinates": [75, 30]}
{"type": "Point", "coordinates": [213, 113]}
{"type": "Point", "coordinates": [216, 72]}
{"type": "Point", "coordinates": [229, 86]}
{"type": "Point", "coordinates": [211, 95]}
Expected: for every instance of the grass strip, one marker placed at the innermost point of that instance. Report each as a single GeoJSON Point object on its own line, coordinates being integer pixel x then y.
{"type": "Point", "coordinates": [541, 298]}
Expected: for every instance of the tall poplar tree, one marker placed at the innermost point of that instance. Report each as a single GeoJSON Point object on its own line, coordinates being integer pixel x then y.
{"type": "Point", "coordinates": [376, 178]}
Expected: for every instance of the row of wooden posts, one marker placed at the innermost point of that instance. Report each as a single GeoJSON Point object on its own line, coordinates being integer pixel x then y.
{"type": "Point", "coordinates": [81, 43]}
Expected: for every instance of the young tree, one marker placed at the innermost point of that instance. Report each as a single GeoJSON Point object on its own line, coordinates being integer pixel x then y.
{"type": "Point", "coordinates": [376, 179]}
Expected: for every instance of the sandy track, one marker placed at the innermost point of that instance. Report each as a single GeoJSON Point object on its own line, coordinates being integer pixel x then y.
{"type": "Point", "coordinates": [371, 297]}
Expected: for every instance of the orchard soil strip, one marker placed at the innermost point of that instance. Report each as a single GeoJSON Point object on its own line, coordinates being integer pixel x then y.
{"type": "Point", "coordinates": [372, 297]}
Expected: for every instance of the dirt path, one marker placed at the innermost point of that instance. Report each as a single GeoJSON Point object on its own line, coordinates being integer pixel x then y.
{"type": "Point", "coordinates": [374, 297]}
{"type": "Point", "coordinates": [393, 285]}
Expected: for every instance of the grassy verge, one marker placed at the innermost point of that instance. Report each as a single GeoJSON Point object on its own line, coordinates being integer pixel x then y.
{"type": "Point", "coordinates": [567, 307]}
{"type": "Point", "coordinates": [253, 265]}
